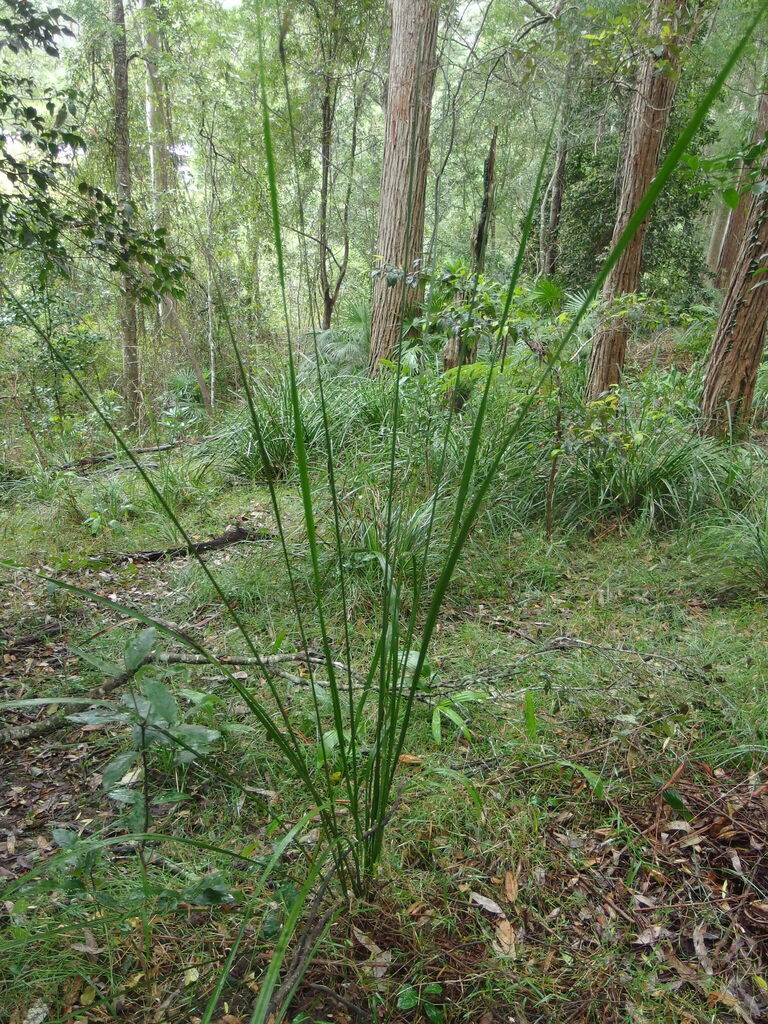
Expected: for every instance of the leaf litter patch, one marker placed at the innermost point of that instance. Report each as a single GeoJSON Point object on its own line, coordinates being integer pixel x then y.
{"type": "Point", "coordinates": [674, 893]}
{"type": "Point", "coordinates": [708, 888]}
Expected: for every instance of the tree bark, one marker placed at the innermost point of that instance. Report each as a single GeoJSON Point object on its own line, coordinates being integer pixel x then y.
{"type": "Point", "coordinates": [649, 115]}
{"type": "Point", "coordinates": [128, 318]}
{"type": "Point", "coordinates": [480, 236]}
{"type": "Point", "coordinates": [549, 255]}
{"type": "Point", "coordinates": [550, 219]}
{"type": "Point", "coordinates": [734, 357]}
{"type": "Point", "coordinates": [328, 109]}
{"type": "Point", "coordinates": [157, 122]}
{"type": "Point", "coordinates": [737, 220]}
{"type": "Point", "coordinates": [719, 227]}
{"type": "Point", "coordinates": [402, 192]}
{"type": "Point", "coordinates": [457, 351]}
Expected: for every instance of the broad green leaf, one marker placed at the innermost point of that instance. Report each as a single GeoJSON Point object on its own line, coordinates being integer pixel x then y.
{"type": "Point", "coordinates": [64, 837]}
{"type": "Point", "coordinates": [98, 716]}
{"type": "Point", "coordinates": [161, 701]}
{"type": "Point", "coordinates": [437, 726]}
{"type": "Point", "coordinates": [116, 769]}
{"type": "Point", "coordinates": [676, 802]}
{"type": "Point", "coordinates": [596, 784]}
{"type": "Point", "coordinates": [408, 998]}
{"type": "Point", "coordinates": [140, 648]}
{"type": "Point", "coordinates": [107, 668]}
{"type": "Point", "coordinates": [455, 717]}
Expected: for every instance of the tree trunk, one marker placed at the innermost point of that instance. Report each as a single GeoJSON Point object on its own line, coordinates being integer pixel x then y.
{"type": "Point", "coordinates": [328, 110]}
{"type": "Point", "coordinates": [549, 255]}
{"type": "Point", "coordinates": [649, 115]}
{"type": "Point", "coordinates": [157, 125]}
{"type": "Point", "coordinates": [719, 228]}
{"type": "Point", "coordinates": [402, 192]}
{"type": "Point", "coordinates": [550, 220]}
{"type": "Point", "coordinates": [734, 358]}
{"type": "Point", "coordinates": [479, 241]}
{"type": "Point", "coordinates": [737, 221]}
{"type": "Point", "coordinates": [457, 351]}
{"type": "Point", "coordinates": [128, 319]}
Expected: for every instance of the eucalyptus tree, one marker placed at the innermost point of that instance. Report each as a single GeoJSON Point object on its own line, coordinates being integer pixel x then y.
{"type": "Point", "coordinates": [402, 191]}
{"type": "Point", "coordinates": [737, 346]}
{"type": "Point", "coordinates": [723, 258]}
{"type": "Point", "coordinates": [163, 185]}
{"type": "Point", "coordinates": [671, 30]}
{"type": "Point", "coordinates": [128, 317]}
{"type": "Point", "coordinates": [345, 34]}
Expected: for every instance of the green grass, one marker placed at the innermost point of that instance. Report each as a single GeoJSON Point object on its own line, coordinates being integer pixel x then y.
{"type": "Point", "coordinates": [613, 715]}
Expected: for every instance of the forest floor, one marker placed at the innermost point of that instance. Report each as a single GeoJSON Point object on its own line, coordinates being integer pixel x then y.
{"type": "Point", "coordinates": [595, 849]}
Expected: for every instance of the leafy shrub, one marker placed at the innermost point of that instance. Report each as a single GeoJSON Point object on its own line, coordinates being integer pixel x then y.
{"type": "Point", "coordinates": [345, 347]}
{"type": "Point", "coordinates": [622, 463]}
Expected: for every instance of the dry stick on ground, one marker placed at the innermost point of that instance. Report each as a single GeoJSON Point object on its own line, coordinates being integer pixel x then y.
{"type": "Point", "coordinates": [51, 630]}
{"type": "Point", "coordinates": [95, 460]}
{"type": "Point", "coordinates": [55, 722]}
{"type": "Point", "coordinates": [232, 535]}
{"type": "Point", "coordinates": [269, 662]}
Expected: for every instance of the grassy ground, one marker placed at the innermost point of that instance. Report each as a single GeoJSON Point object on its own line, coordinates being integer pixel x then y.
{"type": "Point", "coordinates": [587, 846]}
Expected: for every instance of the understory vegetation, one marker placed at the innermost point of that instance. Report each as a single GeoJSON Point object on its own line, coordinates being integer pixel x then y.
{"type": "Point", "coordinates": [383, 513]}
{"type": "Point", "coordinates": [574, 673]}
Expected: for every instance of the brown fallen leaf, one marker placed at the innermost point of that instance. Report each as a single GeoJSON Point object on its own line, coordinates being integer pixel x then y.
{"type": "Point", "coordinates": [413, 759]}
{"type": "Point", "coordinates": [700, 947]}
{"type": "Point", "coordinates": [89, 946]}
{"type": "Point", "coordinates": [649, 935]}
{"type": "Point", "coordinates": [510, 885]}
{"type": "Point", "coordinates": [504, 943]}
{"type": "Point", "coordinates": [380, 960]}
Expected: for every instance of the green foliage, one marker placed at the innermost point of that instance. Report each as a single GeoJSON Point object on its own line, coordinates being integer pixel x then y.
{"type": "Point", "coordinates": [733, 549]}
{"type": "Point", "coordinates": [344, 348]}
{"type": "Point", "coordinates": [425, 998]}
{"type": "Point", "coordinates": [45, 209]}
{"type": "Point", "coordinates": [395, 497]}
{"type": "Point", "coordinates": [672, 258]}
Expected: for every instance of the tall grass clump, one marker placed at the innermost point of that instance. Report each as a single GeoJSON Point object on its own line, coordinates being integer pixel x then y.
{"type": "Point", "coordinates": [621, 460]}
{"type": "Point", "coordinates": [732, 550]}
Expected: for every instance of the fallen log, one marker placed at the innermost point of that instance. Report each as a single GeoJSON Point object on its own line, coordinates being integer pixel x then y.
{"type": "Point", "coordinates": [232, 535]}
{"type": "Point", "coordinates": [88, 461]}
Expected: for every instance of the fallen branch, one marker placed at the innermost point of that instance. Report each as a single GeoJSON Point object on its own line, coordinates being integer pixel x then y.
{"type": "Point", "coordinates": [87, 461]}
{"type": "Point", "coordinates": [45, 726]}
{"type": "Point", "coordinates": [232, 535]}
{"type": "Point", "coordinates": [268, 662]}
{"type": "Point", "coordinates": [265, 660]}
{"type": "Point", "coordinates": [50, 630]}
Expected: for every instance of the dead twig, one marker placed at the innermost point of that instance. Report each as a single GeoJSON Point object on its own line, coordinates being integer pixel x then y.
{"type": "Point", "coordinates": [50, 630]}
{"type": "Point", "coordinates": [232, 535]}
{"type": "Point", "coordinates": [45, 726]}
